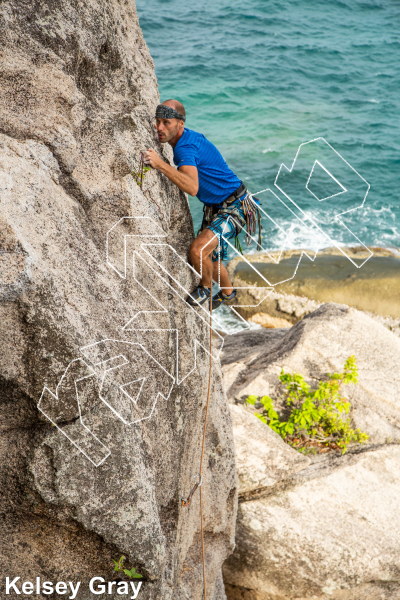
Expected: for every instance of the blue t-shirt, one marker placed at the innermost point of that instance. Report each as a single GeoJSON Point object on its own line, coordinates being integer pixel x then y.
{"type": "Point", "coordinates": [216, 180]}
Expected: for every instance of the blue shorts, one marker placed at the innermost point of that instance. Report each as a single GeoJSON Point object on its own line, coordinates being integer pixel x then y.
{"type": "Point", "coordinates": [225, 228]}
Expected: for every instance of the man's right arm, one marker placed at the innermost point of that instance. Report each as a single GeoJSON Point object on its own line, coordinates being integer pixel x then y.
{"type": "Point", "coordinates": [186, 177]}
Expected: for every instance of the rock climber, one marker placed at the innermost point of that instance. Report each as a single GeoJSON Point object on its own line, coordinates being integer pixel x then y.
{"type": "Point", "coordinates": [201, 171]}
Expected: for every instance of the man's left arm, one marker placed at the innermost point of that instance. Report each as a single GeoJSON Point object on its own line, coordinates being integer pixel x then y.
{"type": "Point", "coordinates": [186, 177]}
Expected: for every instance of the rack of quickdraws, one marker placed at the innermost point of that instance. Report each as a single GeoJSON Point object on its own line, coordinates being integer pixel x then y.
{"type": "Point", "coordinates": [253, 216]}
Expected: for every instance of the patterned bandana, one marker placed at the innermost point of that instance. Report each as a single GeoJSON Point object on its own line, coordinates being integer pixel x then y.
{"type": "Point", "coordinates": [166, 112]}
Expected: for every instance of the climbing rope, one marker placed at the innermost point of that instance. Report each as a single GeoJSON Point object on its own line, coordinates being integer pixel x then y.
{"type": "Point", "coordinates": [186, 501]}
{"type": "Point", "coordinates": [202, 448]}
{"type": "Point", "coordinates": [139, 178]}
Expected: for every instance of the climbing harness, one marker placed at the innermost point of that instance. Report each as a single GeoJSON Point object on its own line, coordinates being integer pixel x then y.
{"type": "Point", "coordinates": [252, 216]}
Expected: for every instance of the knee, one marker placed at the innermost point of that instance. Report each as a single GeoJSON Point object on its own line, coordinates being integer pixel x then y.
{"type": "Point", "coordinates": [194, 250]}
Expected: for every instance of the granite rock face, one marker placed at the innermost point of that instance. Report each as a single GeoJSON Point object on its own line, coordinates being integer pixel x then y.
{"type": "Point", "coordinates": [322, 527]}
{"type": "Point", "coordinates": [101, 425]}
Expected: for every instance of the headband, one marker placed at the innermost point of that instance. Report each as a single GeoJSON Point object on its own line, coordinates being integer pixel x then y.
{"type": "Point", "coordinates": [167, 112]}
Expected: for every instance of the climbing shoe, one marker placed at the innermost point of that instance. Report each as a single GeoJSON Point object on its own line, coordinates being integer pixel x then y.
{"type": "Point", "coordinates": [198, 296]}
{"type": "Point", "coordinates": [220, 298]}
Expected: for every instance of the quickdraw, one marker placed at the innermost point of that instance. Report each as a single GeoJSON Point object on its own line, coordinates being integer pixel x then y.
{"type": "Point", "coordinates": [253, 215]}
{"type": "Point", "coordinates": [187, 501]}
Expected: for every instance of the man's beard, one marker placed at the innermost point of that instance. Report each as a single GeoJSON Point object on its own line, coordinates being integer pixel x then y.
{"type": "Point", "coordinates": [168, 137]}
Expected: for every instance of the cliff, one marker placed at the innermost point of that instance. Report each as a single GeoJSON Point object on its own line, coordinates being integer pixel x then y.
{"type": "Point", "coordinates": [103, 366]}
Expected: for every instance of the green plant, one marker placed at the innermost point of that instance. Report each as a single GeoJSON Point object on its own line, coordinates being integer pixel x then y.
{"type": "Point", "coordinates": [119, 567]}
{"type": "Point", "coordinates": [139, 176]}
{"type": "Point", "coordinates": [318, 418]}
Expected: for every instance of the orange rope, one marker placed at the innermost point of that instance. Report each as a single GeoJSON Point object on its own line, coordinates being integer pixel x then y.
{"type": "Point", "coordinates": [202, 449]}
{"type": "Point", "coordinates": [187, 501]}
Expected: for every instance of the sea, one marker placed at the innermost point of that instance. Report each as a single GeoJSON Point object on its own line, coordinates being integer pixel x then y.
{"type": "Point", "coordinates": [264, 79]}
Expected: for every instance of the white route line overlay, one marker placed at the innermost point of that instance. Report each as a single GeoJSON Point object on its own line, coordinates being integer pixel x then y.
{"type": "Point", "coordinates": [266, 251]}
{"type": "Point", "coordinates": [144, 246]}
{"type": "Point", "coordinates": [165, 311]}
{"type": "Point", "coordinates": [133, 400]}
{"type": "Point", "coordinates": [337, 218]}
{"type": "Point", "coordinates": [316, 162]}
{"type": "Point", "coordinates": [55, 396]}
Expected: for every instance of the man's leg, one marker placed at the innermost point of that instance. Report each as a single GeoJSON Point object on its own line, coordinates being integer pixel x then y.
{"type": "Point", "coordinates": [220, 274]}
{"type": "Point", "coordinates": [200, 255]}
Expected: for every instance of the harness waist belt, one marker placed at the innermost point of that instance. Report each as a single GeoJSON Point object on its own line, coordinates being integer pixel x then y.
{"type": "Point", "coordinates": [236, 194]}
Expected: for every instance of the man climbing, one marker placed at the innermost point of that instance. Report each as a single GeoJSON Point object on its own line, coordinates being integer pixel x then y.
{"type": "Point", "coordinates": [202, 172]}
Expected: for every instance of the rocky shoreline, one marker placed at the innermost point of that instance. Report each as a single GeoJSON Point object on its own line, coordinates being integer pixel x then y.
{"type": "Point", "coordinates": [373, 289]}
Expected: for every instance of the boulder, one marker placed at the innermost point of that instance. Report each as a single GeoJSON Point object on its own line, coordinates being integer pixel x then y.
{"type": "Point", "coordinates": [262, 457]}
{"type": "Point", "coordinates": [323, 527]}
{"type": "Point", "coordinates": [102, 417]}
{"type": "Point", "coordinates": [332, 534]}
{"type": "Point", "coordinates": [315, 346]}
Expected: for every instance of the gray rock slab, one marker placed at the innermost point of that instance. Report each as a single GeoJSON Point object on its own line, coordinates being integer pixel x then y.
{"type": "Point", "coordinates": [334, 533]}
{"type": "Point", "coordinates": [262, 457]}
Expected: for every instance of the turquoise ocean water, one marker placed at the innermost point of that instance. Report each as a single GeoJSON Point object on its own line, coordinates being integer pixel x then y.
{"type": "Point", "coordinates": [260, 77]}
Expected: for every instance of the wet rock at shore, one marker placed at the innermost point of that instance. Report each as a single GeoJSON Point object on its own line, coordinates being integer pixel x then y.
{"type": "Point", "coordinates": [374, 287]}
{"type": "Point", "coordinates": [269, 322]}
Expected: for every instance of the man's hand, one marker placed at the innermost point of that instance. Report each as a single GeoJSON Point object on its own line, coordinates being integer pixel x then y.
{"type": "Point", "coordinates": [186, 177]}
{"type": "Point", "coordinates": [151, 158]}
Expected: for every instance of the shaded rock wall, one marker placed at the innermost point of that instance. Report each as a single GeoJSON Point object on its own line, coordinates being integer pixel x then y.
{"type": "Point", "coordinates": [100, 475]}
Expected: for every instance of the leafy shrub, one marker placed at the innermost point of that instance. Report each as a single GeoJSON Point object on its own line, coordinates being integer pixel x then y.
{"type": "Point", "coordinates": [318, 418]}
{"type": "Point", "coordinates": [119, 567]}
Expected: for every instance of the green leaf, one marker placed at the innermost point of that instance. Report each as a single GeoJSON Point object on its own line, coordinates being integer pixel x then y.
{"type": "Point", "coordinates": [133, 573]}
{"type": "Point", "coordinates": [251, 400]}
{"type": "Point", "coordinates": [319, 413]}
